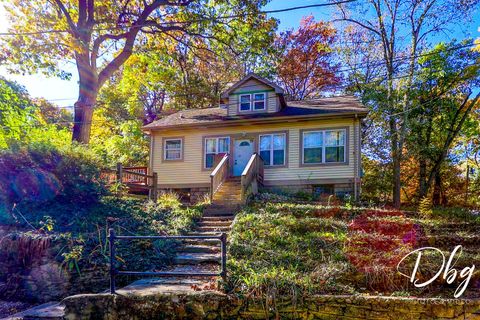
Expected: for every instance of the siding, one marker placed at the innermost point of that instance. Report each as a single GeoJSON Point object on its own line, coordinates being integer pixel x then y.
{"type": "Point", "coordinates": [249, 86]}
{"type": "Point", "coordinates": [189, 171]}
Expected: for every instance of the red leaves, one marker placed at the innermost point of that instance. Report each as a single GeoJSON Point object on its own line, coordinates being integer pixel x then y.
{"type": "Point", "coordinates": [307, 63]}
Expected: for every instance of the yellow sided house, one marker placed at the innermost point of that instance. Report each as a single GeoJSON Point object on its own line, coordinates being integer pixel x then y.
{"type": "Point", "coordinates": [256, 139]}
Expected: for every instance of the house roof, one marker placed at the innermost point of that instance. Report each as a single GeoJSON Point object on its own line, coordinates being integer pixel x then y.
{"type": "Point", "coordinates": [322, 107]}
{"type": "Point", "coordinates": [249, 76]}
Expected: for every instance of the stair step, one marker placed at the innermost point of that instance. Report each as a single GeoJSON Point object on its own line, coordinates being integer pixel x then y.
{"type": "Point", "coordinates": [196, 258]}
{"type": "Point", "coordinates": [214, 228]}
{"type": "Point", "coordinates": [205, 233]}
{"type": "Point", "coordinates": [222, 213]}
{"type": "Point", "coordinates": [214, 223]}
{"type": "Point", "coordinates": [219, 219]}
{"type": "Point", "coordinates": [203, 242]}
{"type": "Point", "coordinates": [200, 249]}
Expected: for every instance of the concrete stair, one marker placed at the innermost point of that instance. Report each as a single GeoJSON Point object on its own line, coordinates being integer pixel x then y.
{"type": "Point", "coordinates": [197, 258]}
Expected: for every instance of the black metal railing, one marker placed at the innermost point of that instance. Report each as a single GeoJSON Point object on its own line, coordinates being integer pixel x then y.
{"type": "Point", "coordinates": [222, 238]}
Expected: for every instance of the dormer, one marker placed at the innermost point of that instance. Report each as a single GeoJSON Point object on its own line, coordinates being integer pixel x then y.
{"type": "Point", "coordinates": [252, 95]}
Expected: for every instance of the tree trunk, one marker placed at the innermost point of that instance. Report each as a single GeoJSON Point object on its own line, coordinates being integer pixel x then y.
{"type": "Point", "coordinates": [87, 97]}
{"type": "Point", "coordinates": [422, 178]}
{"type": "Point", "coordinates": [438, 197]}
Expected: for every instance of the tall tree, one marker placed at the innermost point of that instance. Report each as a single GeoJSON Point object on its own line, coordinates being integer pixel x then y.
{"type": "Point", "coordinates": [101, 36]}
{"type": "Point", "coordinates": [442, 103]}
{"type": "Point", "coordinates": [401, 29]}
{"type": "Point", "coordinates": [306, 65]}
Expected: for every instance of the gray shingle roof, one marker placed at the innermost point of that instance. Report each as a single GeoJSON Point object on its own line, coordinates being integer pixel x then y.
{"type": "Point", "coordinates": [305, 108]}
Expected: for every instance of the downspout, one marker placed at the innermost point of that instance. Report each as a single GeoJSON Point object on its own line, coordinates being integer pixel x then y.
{"type": "Point", "coordinates": [152, 146]}
{"type": "Point", "coordinates": [355, 158]}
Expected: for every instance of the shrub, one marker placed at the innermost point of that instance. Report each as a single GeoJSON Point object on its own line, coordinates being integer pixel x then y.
{"type": "Point", "coordinates": [377, 241]}
{"type": "Point", "coordinates": [40, 172]}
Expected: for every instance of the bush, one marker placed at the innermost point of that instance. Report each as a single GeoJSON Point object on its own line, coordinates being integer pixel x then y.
{"type": "Point", "coordinates": [39, 173]}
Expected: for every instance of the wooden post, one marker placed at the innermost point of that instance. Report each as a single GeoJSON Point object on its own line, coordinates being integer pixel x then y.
{"type": "Point", "coordinates": [155, 187]}
{"type": "Point", "coordinates": [223, 272]}
{"type": "Point", "coordinates": [119, 172]}
{"type": "Point", "coordinates": [111, 238]}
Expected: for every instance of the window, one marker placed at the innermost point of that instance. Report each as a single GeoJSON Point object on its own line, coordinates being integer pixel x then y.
{"type": "Point", "coordinates": [245, 102]}
{"type": "Point", "coordinates": [324, 146]}
{"type": "Point", "coordinates": [335, 146]}
{"type": "Point", "coordinates": [259, 101]}
{"type": "Point", "coordinates": [252, 102]}
{"type": "Point", "coordinates": [272, 149]}
{"type": "Point", "coordinates": [214, 146]}
{"type": "Point", "coordinates": [172, 149]}
{"type": "Point", "coordinates": [313, 147]}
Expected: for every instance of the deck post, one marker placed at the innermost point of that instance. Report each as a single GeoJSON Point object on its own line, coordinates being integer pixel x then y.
{"type": "Point", "coordinates": [154, 189]}
{"type": "Point", "coordinates": [119, 172]}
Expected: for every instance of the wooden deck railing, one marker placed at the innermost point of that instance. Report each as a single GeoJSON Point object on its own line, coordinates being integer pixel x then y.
{"type": "Point", "coordinates": [218, 176]}
{"type": "Point", "coordinates": [135, 178]}
{"type": "Point", "coordinates": [252, 176]}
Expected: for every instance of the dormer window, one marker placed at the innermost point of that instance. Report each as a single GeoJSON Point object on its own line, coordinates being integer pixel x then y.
{"type": "Point", "coordinates": [252, 102]}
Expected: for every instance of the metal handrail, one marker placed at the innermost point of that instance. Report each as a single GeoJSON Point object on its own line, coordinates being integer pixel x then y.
{"type": "Point", "coordinates": [222, 238]}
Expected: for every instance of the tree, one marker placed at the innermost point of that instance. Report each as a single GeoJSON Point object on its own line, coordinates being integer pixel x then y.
{"type": "Point", "coordinates": [101, 36]}
{"type": "Point", "coordinates": [306, 65]}
{"type": "Point", "coordinates": [21, 121]}
{"type": "Point", "coordinates": [442, 102]}
{"type": "Point", "coordinates": [400, 29]}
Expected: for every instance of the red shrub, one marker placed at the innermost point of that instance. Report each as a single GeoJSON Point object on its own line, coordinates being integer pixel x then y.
{"type": "Point", "coordinates": [377, 241]}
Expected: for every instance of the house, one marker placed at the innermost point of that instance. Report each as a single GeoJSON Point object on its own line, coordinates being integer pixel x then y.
{"type": "Point", "coordinates": [255, 138]}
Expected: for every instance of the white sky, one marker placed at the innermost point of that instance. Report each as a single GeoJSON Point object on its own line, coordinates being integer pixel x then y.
{"type": "Point", "coordinates": [39, 85]}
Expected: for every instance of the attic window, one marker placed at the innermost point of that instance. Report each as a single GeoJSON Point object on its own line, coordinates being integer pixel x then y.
{"type": "Point", "coordinates": [252, 101]}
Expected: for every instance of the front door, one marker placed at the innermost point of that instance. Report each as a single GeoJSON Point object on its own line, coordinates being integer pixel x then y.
{"type": "Point", "coordinates": [243, 150]}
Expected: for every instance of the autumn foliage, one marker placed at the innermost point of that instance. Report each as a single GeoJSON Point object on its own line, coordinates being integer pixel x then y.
{"type": "Point", "coordinates": [307, 66]}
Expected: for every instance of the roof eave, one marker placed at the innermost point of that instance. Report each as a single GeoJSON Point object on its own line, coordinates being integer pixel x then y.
{"type": "Point", "coordinates": [223, 123]}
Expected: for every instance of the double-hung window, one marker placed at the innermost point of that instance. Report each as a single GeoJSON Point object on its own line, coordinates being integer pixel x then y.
{"type": "Point", "coordinates": [324, 146]}
{"type": "Point", "coordinates": [172, 149]}
{"type": "Point", "coordinates": [214, 146]}
{"type": "Point", "coordinates": [253, 102]}
{"type": "Point", "coordinates": [272, 149]}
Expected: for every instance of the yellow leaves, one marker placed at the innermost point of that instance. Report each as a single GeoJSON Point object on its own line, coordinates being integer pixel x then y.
{"type": "Point", "coordinates": [477, 47]}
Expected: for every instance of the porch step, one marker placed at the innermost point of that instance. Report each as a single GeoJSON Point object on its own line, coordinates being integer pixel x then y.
{"type": "Point", "coordinates": [197, 258]}
{"type": "Point", "coordinates": [200, 249]}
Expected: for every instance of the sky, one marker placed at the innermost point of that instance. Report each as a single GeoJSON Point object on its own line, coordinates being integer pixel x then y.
{"type": "Point", "coordinates": [63, 92]}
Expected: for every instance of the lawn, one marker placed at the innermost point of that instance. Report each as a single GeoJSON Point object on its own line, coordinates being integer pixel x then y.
{"type": "Point", "coordinates": [282, 248]}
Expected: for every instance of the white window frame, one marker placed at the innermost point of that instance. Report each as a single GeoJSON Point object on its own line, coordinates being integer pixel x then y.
{"type": "Point", "coordinates": [272, 147]}
{"type": "Point", "coordinates": [175, 149]}
{"type": "Point", "coordinates": [324, 146]}
{"type": "Point", "coordinates": [216, 148]}
{"type": "Point", "coordinates": [251, 97]}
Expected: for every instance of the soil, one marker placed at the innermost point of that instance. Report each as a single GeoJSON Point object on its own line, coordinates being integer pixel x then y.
{"type": "Point", "coordinates": [8, 308]}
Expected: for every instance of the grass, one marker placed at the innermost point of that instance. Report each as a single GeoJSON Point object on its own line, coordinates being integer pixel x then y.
{"type": "Point", "coordinates": [284, 249]}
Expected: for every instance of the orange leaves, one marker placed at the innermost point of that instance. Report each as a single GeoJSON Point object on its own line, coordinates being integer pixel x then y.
{"type": "Point", "coordinates": [306, 66]}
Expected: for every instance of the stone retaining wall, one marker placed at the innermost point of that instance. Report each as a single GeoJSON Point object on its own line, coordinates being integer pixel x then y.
{"type": "Point", "coordinates": [214, 305]}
